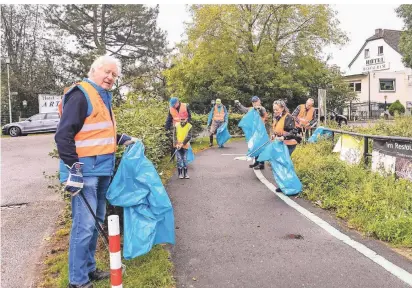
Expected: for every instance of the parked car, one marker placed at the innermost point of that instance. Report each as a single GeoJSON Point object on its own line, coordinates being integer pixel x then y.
{"type": "Point", "coordinates": [42, 122]}
{"type": "Point", "coordinates": [340, 119]}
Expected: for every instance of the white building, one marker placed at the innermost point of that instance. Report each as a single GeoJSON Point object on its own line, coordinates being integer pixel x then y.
{"type": "Point", "coordinates": [377, 74]}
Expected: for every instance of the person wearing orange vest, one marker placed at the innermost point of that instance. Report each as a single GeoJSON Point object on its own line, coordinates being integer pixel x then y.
{"type": "Point", "coordinates": [181, 140]}
{"type": "Point", "coordinates": [256, 104]}
{"type": "Point", "coordinates": [283, 127]}
{"type": "Point", "coordinates": [305, 115]}
{"type": "Point", "coordinates": [86, 142]}
{"type": "Point", "coordinates": [177, 111]}
{"type": "Point", "coordinates": [217, 117]}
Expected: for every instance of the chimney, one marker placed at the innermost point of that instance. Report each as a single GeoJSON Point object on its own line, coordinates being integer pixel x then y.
{"type": "Point", "coordinates": [378, 32]}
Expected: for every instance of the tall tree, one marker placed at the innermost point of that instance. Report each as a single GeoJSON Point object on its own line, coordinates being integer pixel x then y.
{"type": "Point", "coordinates": [128, 32]}
{"type": "Point", "coordinates": [404, 11]}
{"type": "Point", "coordinates": [235, 51]}
{"type": "Point", "coordinates": [33, 61]}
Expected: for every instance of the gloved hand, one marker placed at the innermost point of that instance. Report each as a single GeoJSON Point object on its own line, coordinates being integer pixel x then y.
{"type": "Point", "coordinates": [75, 181]}
{"type": "Point", "coordinates": [237, 102]}
{"type": "Point", "coordinates": [131, 141]}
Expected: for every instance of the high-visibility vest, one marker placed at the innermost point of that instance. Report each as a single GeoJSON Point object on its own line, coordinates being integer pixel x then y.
{"type": "Point", "coordinates": [279, 126]}
{"type": "Point", "coordinates": [219, 116]}
{"type": "Point", "coordinates": [264, 117]}
{"type": "Point", "coordinates": [181, 134]}
{"type": "Point", "coordinates": [181, 114]}
{"type": "Point", "coordinates": [305, 116]}
{"type": "Point", "coordinates": [98, 134]}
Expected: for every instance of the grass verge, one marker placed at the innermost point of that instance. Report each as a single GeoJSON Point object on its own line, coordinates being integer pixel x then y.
{"type": "Point", "coordinates": [378, 206]}
{"type": "Point", "coordinates": [153, 270]}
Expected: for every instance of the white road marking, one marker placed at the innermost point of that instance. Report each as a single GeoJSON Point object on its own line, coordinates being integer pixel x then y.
{"type": "Point", "coordinates": [233, 154]}
{"type": "Point", "coordinates": [400, 273]}
{"type": "Point", "coordinates": [244, 158]}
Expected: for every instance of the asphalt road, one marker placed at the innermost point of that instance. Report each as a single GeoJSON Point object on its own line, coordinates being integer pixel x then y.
{"type": "Point", "coordinates": [29, 209]}
{"type": "Point", "coordinates": [232, 231]}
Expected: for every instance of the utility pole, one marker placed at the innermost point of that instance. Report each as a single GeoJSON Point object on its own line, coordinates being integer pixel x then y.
{"type": "Point", "coordinates": [8, 84]}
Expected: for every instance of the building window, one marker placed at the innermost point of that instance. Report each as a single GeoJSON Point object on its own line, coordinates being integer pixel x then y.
{"type": "Point", "coordinates": [367, 53]}
{"type": "Point", "coordinates": [380, 50]}
{"type": "Point", "coordinates": [387, 85]}
{"type": "Point", "coordinates": [355, 86]}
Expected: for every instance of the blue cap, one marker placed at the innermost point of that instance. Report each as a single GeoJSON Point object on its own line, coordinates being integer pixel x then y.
{"type": "Point", "coordinates": [255, 99]}
{"type": "Point", "coordinates": [173, 101]}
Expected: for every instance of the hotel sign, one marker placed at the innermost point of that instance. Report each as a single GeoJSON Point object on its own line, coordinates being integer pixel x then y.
{"type": "Point", "coordinates": [375, 64]}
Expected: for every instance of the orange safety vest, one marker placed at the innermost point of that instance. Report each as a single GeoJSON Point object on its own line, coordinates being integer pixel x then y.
{"type": "Point", "coordinates": [98, 134]}
{"type": "Point", "coordinates": [219, 116]}
{"type": "Point", "coordinates": [181, 114]}
{"type": "Point", "coordinates": [305, 116]}
{"type": "Point", "coordinates": [264, 117]}
{"type": "Point", "coordinates": [278, 128]}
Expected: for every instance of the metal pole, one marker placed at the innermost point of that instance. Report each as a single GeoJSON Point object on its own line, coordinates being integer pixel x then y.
{"type": "Point", "coordinates": [365, 150]}
{"type": "Point", "coordinates": [8, 84]}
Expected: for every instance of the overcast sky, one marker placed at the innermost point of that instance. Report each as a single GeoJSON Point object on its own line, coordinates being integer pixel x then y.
{"type": "Point", "coordinates": [358, 21]}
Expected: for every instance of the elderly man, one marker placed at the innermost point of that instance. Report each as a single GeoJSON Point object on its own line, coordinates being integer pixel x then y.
{"type": "Point", "coordinates": [217, 116]}
{"type": "Point", "coordinates": [305, 115]}
{"type": "Point", "coordinates": [87, 141]}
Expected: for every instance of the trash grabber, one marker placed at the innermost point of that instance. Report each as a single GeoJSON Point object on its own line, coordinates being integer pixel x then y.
{"type": "Point", "coordinates": [98, 226]}
{"type": "Point", "coordinates": [171, 158]}
{"type": "Point", "coordinates": [260, 147]}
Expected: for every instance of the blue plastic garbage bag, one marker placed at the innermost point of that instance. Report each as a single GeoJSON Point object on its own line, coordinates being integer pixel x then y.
{"type": "Point", "coordinates": [148, 212]}
{"type": "Point", "coordinates": [319, 132]}
{"type": "Point", "coordinates": [282, 167]}
{"type": "Point", "coordinates": [255, 132]}
{"type": "Point", "coordinates": [222, 135]}
{"type": "Point", "coordinates": [190, 155]}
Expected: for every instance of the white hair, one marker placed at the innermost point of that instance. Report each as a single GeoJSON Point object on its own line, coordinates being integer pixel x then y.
{"type": "Point", "coordinates": [103, 60]}
{"type": "Point", "coordinates": [311, 100]}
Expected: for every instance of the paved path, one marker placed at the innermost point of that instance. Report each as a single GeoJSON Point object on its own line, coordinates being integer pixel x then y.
{"type": "Point", "coordinates": [23, 228]}
{"type": "Point", "coordinates": [232, 231]}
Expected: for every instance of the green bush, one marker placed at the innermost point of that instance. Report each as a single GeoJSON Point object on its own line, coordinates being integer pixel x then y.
{"type": "Point", "coordinates": [145, 120]}
{"type": "Point", "coordinates": [379, 206]}
{"type": "Point", "coordinates": [401, 126]}
{"type": "Point", "coordinates": [396, 107]}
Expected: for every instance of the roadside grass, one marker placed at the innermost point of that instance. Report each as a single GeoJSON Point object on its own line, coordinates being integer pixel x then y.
{"type": "Point", "coordinates": [375, 205]}
{"type": "Point", "coordinates": [153, 270]}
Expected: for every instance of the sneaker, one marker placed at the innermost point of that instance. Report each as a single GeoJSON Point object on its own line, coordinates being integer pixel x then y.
{"type": "Point", "coordinates": [254, 164]}
{"type": "Point", "coordinates": [278, 190]}
{"type": "Point", "coordinates": [87, 285]}
{"type": "Point", "coordinates": [210, 144]}
{"type": "Point", "coordinates": [260, 167]}
{"type": "Point", "coordinates": [98, 274]}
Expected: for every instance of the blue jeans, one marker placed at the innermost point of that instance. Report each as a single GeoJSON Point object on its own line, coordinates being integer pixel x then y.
{"type": "Point", "coordinates": [291, 149]}
{"type": "Point", "coordinates": [181, 158]}
{"type": "Point", "coordinates": [83, 236]}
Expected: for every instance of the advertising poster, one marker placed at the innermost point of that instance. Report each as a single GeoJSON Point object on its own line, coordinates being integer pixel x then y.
{"type": "Point", "coordinates": [391, 156]}
{"type": "Point", "coordinates": [48, 103]}
{"type": "Point", "coordinates": [350, 149]}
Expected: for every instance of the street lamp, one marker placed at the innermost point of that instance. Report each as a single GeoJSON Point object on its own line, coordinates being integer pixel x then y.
{"type": "Point", "coordinates": [8, 84]}
{"type": "Point", "coordinates": [386, 96]}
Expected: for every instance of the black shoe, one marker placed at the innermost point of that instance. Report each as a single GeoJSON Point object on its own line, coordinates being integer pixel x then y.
{"type": "Point", "coordinates": [260, 167]}
{"type": "Point", "coordinates": [87, 285]}
{"type": "Point", "coordinates": [97, 275]}
{"type": "Point", "coordinates": [180, 172]}
{"type": "Point", "coordinates": [210, 144]}
{"type": "Point", "coordinates": [186, 175]}
{"type": "Point", "coordinates": [278, 190]}
{"type": "Point", "coordinates": [254, 164]}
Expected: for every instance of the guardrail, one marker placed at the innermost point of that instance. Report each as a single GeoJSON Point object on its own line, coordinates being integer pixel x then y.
{"type": "Point", "coordinates": [366, 137]}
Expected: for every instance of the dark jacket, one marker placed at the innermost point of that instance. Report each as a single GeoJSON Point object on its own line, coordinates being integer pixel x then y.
{"type": "Point", "coordinates": [289, 128]}
{"type": "Point", "coordinates": [169, 120]}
